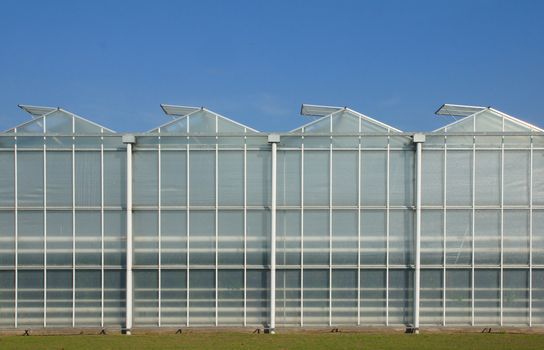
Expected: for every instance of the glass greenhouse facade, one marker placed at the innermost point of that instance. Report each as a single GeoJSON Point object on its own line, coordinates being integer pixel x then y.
{"type": "Point", "coordinates": [202, 221]}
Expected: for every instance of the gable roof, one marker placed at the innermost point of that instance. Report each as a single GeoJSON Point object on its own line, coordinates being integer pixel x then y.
{"type": "Point", "coordinates": [198, 120]}
{"type": "Point", "coordinates": [56, 120]}
{"type": "Point", "coordinates": [341, 120]}
{"type": "Point", "coordinates": [486, 119]}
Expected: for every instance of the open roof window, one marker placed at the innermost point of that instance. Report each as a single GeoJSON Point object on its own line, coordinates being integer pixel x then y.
{"type": "Point", "coordinates": [56, 121]}
{"type": "Point", "coordinates": [199, 120]}
{"type": "Point", "coordinates": [340, 120]}
{"type": "Point", "coordinates": [482, 119]}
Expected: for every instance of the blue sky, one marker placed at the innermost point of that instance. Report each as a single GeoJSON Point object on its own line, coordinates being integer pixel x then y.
{"type": "Point", "coordinates": [256, 62]}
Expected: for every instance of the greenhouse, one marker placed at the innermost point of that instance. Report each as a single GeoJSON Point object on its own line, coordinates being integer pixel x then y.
{"type": "Point", "coordinates": [205, 222]}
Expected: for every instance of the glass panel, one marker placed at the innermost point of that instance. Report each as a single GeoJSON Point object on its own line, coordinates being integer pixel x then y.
{"type": "Point", "coordinates": [288, 297]}
{"type": "Point", "coordinates": [458, 237]}
{"type": "Point", "coordinates": [145, 178]}
{"type": "Point", "coordinates": [288, 237]}
{"type": "Point", "coordinates": [114, 297]}
{"type": "Point", "coordinates": [459, 183]}
{"type": "Point", "coordinates": [30, 238]}
{"type": "Point", "coordinates": [202, 122]}
{"type": "Point", "coordinates": [373, 237]}
{"type": "Point", "coordinates": [146, 239]}
{"type": "Point", "coordinates": [114, 178]}
{"type": "Point", "coordinates": [173, 237]}
{"type": "Point", "coordinates": [373, 297]}
{"type": "Point", "coordinates": [432, 237]}
{"type": "Point", "coordinates": [344, 237]}
{"type": "Point", "coordinates": [488, 178]}
{"type": "Point", "coordinates": [231, 178]}
{"type": "Point", "coordinates": [114, 238]}
{"type": "Point", "coordinates": [231, 297]}
{"type": "Point", "coordinates": [487, 297]}
{"type": "Point", "coordinates": [202, 178]}
{"type": "Point", "coordinates": [344, 178]}
{"type": "Point", "coordinates": [59, 179]}
{"type": "Point", "coordinates": [202, 238]}
{"type": "Point", "coordinates": [516, 177]}
{"type": "Point", "coordinates": [173, 178]}
{"type": "Point", "coordinates": [373, 177]}
{"type": "Point", "coordinates": [344, 297]}
{"type": "Point", "coordinates": [202, 297]}
{"type": "Point", "coordinates": [538, 297]}
{"type": "Point", "coordinates": [538, 181]}
{"type": "Point", "coordinates": [316, 297]}
{"type": "Point", "coordinates": [316, 178]}
{"type": "Point", "coordinates": [402, 178]}
{"type": "Point", "coordinates": [58, 122]}
{"type": "Point", "coordinates": [173, 297]}
{"type": "Point", "coordinates": [87, 177]}
{"type": "Point", "coordinates": [59, 238]}
{"type": "Point", "coordinates": [432, 176]}
{"type": "Point", "coordinates": [258, 178]}
{"type": "Point", "coordinates": [289, 177]}
{"type": "Point", "coordinates": [431, 303]}
{"type": "Point", "coordinates": [258, 291]}
{"type": "Point", "coordinates": [88, 306]}
{"type": "Point", "coordinates": [516, 237]}
{"type": "Point", "coordinates": [316, 237]}
{"type": "Point", "coordinates": [487, 237]}
{"type": "Point", "coordinates": [30, 298]}
{"type": "Point", "coordinates": [401, 237]}
{"type": "Point", "coordinates": [516, 297]}
{"type": "Point", "coordinates": [146, 298]}
{"type": "Point", "coordinates": [400, 297]}
{"type": "Point", "coordinates": [538, 237]}
{"type": "Point", "coordinates": [59, 298]}
{"type": "Point", "coordinates": [88, 237]}
{"type": "Point", "coordinates": [7, 299]}
{"type": "Point", "coordinates": [7, 179]}
{"type": "Point", "coordinates": [488, 121]}
{"type": "Point", "coordinates": [30, 173]}
{"type": "Point", "coordinates": [258, 237]}
{"type": "Point", "coordinates": [231, 237]}
{"type": "Point", "coordinates": [458, 297]}
{"type": "Point", "coordinates": [7, 238]}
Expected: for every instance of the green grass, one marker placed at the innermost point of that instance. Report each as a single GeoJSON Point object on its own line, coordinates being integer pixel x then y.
{"type": "Point", "coordinates": [313, 341]}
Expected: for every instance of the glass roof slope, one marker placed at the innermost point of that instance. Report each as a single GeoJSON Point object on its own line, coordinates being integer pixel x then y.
{"type": "Point", "coordinates": [489, 120]}
{"type": "Point", "coordinates": [57, 121]}
{"type": "Point", "coordinates": [196, 120]}
{"type": "Point", "coordinates": [345, 120]}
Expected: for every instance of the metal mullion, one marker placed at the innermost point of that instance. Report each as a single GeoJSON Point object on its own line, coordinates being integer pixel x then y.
{"type": "Point", "coordinates": [159, 230]}
{"type": "Point", "coordinates": [188, 227]}
{"type": "Point", "coordinates": [245, 231]}
{"type": "Point", "coordinates": [387, 215]}
{"type": "Point", "coordinates": [302, 233]}
{"type": "Point", "coordinates": [102, 233]}
{"type": "Point", "coordinates": [216, 230]}
{"type": "Point", "coordinates": [44, 229]}
{"type": "Point", "coordinates": [16, 234]}
{"type": "Point", "coordinates": [531, 235]}
{"type": "Point", "coordinates": [73, 227]}
{"type": "Point", "coordinates": [444, 230]}
{"type": "Point", "coordinates": [473, 225]}
{"type": "Point", "coordinates": [359, 230]}
{"type": "Point", "coordinates": [330, 229]}
{"type": "Point", "coordinates": [502, 231]}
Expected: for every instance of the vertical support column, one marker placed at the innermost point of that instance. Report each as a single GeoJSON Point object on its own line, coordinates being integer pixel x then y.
{"type": "Point", "coordinates": [129, 140]}
{"type": "Point", "coordinates": [16, 234]}
{"type": "Point", "coordinates": [273, 139]}
{"type": "Point", "coordinates": [418, 139]}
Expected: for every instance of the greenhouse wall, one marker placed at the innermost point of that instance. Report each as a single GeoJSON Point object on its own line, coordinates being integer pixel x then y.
{"type": "Point", "coordinates": [373, 226]}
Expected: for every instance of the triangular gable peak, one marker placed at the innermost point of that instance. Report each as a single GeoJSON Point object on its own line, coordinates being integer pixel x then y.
{"type": "Point", "coordinates": [194, 120]}
{"type": "Point", "coordinates": [57, 121]}
{"type": "Point", "coordinates": [345, 120]}
{"type": "Point", "coordinates": [489, 120]}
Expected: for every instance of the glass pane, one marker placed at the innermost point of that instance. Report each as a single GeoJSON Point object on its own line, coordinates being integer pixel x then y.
{"type": "Point", "coordinates": [344, 178]}
{"type": "Point", "coordinates": [145, 178]}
